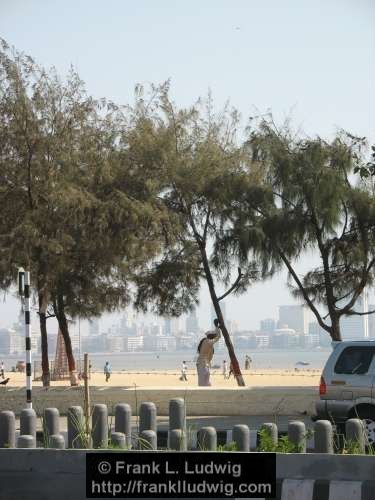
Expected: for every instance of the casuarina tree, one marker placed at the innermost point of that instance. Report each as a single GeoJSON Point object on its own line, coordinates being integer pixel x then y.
{"type": "Point", "coordinates": [194, 156]}
{"type": "Point", "coordinates": [310, 200]}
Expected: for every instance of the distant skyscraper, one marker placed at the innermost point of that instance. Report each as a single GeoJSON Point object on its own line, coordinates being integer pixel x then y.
{"type": "Point", "coordinates": [192, 325]}
{"type": "Point", "coordinates": [296, 317]}
{"type": "Point", "coordinates": [355, 326]}
{"type": "Point", "coordinates": [156, 330]}
{"type": "Point", "coordinates": [168, 326]}
{"type": "Point", "coordinates": [175, 326]}
{"type": "Point", "coordinates": [94, 326]}
{"type": "Point", "coordinates": [267, 325]}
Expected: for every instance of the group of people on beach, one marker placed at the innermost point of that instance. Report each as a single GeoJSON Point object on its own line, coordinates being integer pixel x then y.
{"type": "Point", "coordinates": [205, 354]}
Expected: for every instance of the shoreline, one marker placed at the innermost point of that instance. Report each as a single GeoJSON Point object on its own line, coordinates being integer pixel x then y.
{"type": "Point", "coordinates": [262, 377]}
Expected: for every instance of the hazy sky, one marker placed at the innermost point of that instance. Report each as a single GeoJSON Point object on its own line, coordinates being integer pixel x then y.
{"type": "Point", "coordinates": [314, 59]}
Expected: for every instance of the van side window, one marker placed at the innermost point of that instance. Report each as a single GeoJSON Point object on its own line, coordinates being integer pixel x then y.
{"type": "Point", "coordinates": [355, 360]}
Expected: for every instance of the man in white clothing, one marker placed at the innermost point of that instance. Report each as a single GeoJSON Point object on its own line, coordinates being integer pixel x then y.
{"type": "Point", "coordinates": [205, 354]}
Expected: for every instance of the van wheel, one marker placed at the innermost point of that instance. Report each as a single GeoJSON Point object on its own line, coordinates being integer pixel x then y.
{"type": "Point", "coordinates": [368, 418]}
{"type": "Point", "coordinates": [369, 424]}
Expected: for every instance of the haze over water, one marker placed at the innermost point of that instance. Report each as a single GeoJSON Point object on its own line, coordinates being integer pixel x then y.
{"type": "Point", "coordinates": [159, 361]}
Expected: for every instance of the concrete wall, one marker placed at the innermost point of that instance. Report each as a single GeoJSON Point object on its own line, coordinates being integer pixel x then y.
{"type": "Point", "coordinates": [200, 400]}
{"type": "Point", "coordinates": [60, 474]}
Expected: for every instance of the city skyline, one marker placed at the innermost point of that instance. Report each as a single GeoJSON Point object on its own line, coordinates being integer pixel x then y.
{"type": "Point", "coordinates": [292, 329]}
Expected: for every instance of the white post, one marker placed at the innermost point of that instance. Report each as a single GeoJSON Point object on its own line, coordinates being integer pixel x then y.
{"type": "Point", "coordinates": [28, 341]}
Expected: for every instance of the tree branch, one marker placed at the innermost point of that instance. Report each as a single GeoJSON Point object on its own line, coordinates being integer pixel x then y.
{"type": "Point", "coordinates": [360, 287]}
{"type": "Point", "coordinates": [206, 225]}
{"type": "Point", "coordinates": [233, 287]}
{"type": "Point", "coordinates": [281, 196]}
{"type": "Point", "coordinates": [346, 220]}
{"type": "Point", "coordinates": [303, 291]}
{"type": "Point", "coordinates": [356, 313]}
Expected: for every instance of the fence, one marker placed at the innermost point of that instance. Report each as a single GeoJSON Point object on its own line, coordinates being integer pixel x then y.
{"type": "Point", "coordinates": [320, 474]}
{"type": "Point", "coordinates": [57, 373]}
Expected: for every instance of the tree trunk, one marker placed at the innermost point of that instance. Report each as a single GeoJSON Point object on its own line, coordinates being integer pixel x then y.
{"type": "Point", "coordinates": [43, 303]}
{"type": "Point", "coordinates": [233, 358]}
{"type": "Point", "coordinates": [63, 325]}
{"type": "Point", "coordinates": [335, 328]}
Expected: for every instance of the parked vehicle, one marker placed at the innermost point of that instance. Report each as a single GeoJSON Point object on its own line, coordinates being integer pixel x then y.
{"type": "Point", "coordinates": [347, 385]}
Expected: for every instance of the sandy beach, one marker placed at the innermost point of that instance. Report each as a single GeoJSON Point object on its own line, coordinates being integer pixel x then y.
{"type": "Point", "coordinates": [170, 378]}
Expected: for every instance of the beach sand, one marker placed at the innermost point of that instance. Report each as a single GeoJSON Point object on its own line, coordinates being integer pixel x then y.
{"type": "Point", "coordinates": [170, 378]}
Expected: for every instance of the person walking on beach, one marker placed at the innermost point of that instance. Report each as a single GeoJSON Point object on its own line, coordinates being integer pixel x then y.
{"type": "Point", "coordinates": [205, 354]}
{"type": "Point", "coordinates": [184, 371]}
{"type": "Point", "coordinates": [225, 369]}
{"type": "Point", "coordinates": [107, 371]}
{"type": "Point", "coordinates": [2, 370]}
{"type": "Point", "coordinates": [248, 361]}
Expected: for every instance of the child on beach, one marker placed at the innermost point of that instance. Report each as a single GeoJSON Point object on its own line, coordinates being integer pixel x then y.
{"type": "Point", "coordinates": [225, 369]}
{"type": "Point", "coordinates": [107, 371]}
{"type": "Point", "coordinates": [184, 371]}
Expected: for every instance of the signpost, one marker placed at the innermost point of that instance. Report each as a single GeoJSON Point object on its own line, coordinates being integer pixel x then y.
{"type": "Point", "coordinates": [24, 291]}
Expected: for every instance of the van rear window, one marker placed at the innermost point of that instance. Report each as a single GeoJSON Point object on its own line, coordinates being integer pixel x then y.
{"type": "Point", "coordinates": [355, 360]}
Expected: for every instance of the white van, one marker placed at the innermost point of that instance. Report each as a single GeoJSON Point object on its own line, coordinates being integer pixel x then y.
{"type": "Point", "coordinates": [347, 385]}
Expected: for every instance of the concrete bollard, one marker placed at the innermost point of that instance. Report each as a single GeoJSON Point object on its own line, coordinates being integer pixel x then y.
{"type": "Point", "coordinates": [7, 429]}
{"type": "Point", "coordinates": [207, 439]}
{"type": "Point", "coordinates": [323, 437]}
{"type": "Point", "coordinates": [123, 421]}
{"type": "Point", "coordinates": [272, 431]}
{"type": "Point", "coordinates": [118, 439]}
{"type": "Point", "coordinates": [177, 440]}
{"type": "Point", "coordinates": [25, 441]}
{"type": "Point", "coordinates": [51, 422]}
{"type": "Point", "coordinates": [297, 435]}
{"type": "Point", "coordinates": [147, 417]}
{"type": "Point", "coordinates": [75, 427]}
{"type": "Point", "coordinates": [241, 436]}
{"type": "Point", "coordinates": [147, 440]}
{"type": "Point", "coordinates": [177, 414]}
{"type": "Point", "coordinates": [56, 441]}
{"type": "Point", "coordinates": [28, 423]}
{"type": "Point", "coordinates": [100, 426]}
{"type": "Point", "coordinates": [355, 433]}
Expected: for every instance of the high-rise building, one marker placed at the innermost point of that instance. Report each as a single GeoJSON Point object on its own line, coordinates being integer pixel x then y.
{"type": "Point", "coordinates": [317, 336]}
{"type": "Point", "coordinates": [94, 326]}
{"type": "Point", "coordinates": [115, 344]}
{"type": "Point", "coordinates": [267, 325]}
{"type": "Point", "coordinates": [192, 325]}
{"type": "Point", "coordinates": [156, 329]}
{"type": "Point", "coordinates": [296, 317]}
{"type": "Point", "coordinates": [171, 326]}
{"type": "Point", "coordinates": [168, 326]}
{"type": "Point", "coordinates": [356, 326]}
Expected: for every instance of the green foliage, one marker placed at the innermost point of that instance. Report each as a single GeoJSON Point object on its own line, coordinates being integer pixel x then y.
{"type": "Point", "coordinates": [232, 446]}
{"type": "Point", "coordinates": [284, 445]}
{"type": "Point", "coordinates": [307, 202]}
{"type": "Point", "coordinates": [76, 211]}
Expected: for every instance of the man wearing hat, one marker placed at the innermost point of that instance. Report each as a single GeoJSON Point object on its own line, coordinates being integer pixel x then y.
{"type": "Point", "coordinates": [205, 354]}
